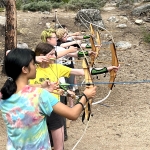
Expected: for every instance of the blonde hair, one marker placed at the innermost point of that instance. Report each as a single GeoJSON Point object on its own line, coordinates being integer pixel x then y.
{"type": "Point", "coordinates": [47, 33]}
{"type": "Point", "coordinates": [60, 32]}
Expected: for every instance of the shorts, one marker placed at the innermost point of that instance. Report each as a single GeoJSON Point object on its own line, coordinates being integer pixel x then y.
{"type": "Point", "coordinates": [55, 121]}
{"type": "Point", "coordinates": [70, 80]}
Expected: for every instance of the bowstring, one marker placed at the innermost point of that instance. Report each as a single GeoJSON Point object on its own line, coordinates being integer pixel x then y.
{"type": "Point", "coordinates": [56, 19]}
{"type": "Point", "coordinates": [80, 16]}
{"type": "Point", "coordinates": [88, 79]}
{"type": "Point", "coordinates": [98, 26]}
{"type": "Point", "coordinates": [73, 39]}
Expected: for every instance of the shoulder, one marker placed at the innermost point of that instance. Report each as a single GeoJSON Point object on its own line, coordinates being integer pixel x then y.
{"type": "Point", "coordinates": [30, 89]}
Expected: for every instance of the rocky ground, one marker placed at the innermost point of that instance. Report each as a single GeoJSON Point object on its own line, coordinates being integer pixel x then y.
{"type": "Point", "coordinates": [121, 121]}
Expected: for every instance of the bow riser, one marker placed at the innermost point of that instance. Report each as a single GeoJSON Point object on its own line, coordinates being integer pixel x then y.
{"type": "Point", "coordinates": [89, 82]}
{"type": "Point", "coordinates": [93, 49]}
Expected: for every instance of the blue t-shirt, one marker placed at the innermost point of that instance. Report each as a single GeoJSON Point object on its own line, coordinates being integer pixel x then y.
{"type": "Point", "coordinates": [25, 116]}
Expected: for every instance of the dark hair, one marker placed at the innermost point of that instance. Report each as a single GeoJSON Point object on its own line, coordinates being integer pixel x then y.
{"type": "Point", "coordinates": [43, 48]}
{"type": "Point", "coordinates": [13, 63]}
{"type": "Point", "coordinates": [62, 26]}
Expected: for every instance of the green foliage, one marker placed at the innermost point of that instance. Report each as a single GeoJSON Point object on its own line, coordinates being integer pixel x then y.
{"type": "Point", "coordinates": [38, 6]}
{"type": "Point", "coordinates": [146, 37]}
{"type": "Point", "coordinates": [65, 1]}
{"type": "Point", "coordinates": [47, 5]}
{"type": "Point", "coordinates": [57, 5]}
{"type": "Point", "coordinates": [84, 4]}
{"type": "Point", "coordinates": [56, 1]}
{"type": "Point", "coordinates": [18, 4]}
{"type": "Point", "coordinates": [1, 9]}
{"type": "Point", "coordinates": [146, 34]}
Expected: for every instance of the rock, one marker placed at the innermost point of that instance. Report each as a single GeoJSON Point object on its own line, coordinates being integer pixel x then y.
{"type": "Point", "coordinates": [83, 18]}
{"type": "Point", "coordinates": [48, 25]}
{"type": "Point", "coordinates": [125, 6]}
{"type": "Point", "coordinates": [123, 19]}
{"type": "Point", "coordinates": [113, 19]}
{"type": "Point", "coordinates": [139, 21]}
{"type": "Point", "coordinates": [123, 45]}
{"type": "Point", "coordinates": [22, 45]}
{"type": "Point", "coordinates": [141, 10]}
{"type": "Point", "coordinates": [121, 26]}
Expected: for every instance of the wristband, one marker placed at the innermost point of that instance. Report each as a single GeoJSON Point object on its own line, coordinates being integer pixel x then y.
{"type": "Point", "coordinates": [86, 36]}
{"type": "Point", "coordinates": [88, 46]}
{"type": "Point", "coordinates": [81, 54]}
{"type": "Point", "coordinates": [81, 105]}
{"type": "Point", "coordinates": [81, 97]}
{"type": "Point", "coordinates": [84, 96]}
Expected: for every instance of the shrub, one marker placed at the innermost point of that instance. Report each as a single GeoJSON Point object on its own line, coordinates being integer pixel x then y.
{"type": "Point", "coordinates": [145, 32]}
{"type": "Point", "coordinates": [57, 1]}
{"type": "Point", "coordinates": [18, 4]}
{"type": "Point", "coordinates": [40, 6]}
{"type": "Point", "coordinates": [2, 9]}
{"type": "Point", "coordinates": [84, 4]}
{"type": "Point", "coordinates": [57, 5]}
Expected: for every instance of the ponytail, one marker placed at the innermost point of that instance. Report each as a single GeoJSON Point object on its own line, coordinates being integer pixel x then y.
{"type": "Point", "coordinates": [8, 88]}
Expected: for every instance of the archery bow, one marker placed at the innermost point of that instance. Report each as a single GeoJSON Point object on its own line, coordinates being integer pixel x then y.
{"type": "Point", "coordinates": [112, 73]}
{"type": "Point", "coordinates": [88, 77]}
{"type": "Point", "coordinates": [113, 51]}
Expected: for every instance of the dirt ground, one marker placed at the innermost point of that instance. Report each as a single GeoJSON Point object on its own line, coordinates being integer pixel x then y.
{"type": "Point", "coordinates": [121, 121]}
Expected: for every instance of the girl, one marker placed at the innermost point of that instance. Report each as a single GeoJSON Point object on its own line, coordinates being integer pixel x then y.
{"type": "Point", "coordinates": [24, 108]}
{"type": "Point", "coordinates": [53, 72]}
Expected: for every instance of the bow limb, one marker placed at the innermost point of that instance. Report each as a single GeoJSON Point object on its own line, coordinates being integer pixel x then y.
{"type": "Point", "coordinates": [114, 63]}
{"type": "Point", "coordinates": [98, 40]}
{"type": "Point", "coordinates": [92, 30]}
{"type": "Point", "coordinates": [89, 82]}
{"type": "Point", "coordinates": [92, 45]}
{"type": "Point", "coordinates": [94, 48]}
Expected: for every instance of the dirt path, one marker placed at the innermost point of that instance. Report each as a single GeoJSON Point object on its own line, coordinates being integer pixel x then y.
{"type": "Point", "coordinates": [122, 121]}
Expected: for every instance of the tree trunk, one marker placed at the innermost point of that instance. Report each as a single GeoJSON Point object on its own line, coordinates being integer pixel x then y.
{"type": "Point", "coordinates": [11, 25]}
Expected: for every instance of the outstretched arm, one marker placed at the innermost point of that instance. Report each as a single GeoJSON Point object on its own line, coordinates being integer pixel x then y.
{"type": "Point", "coordinates": [95, 71]}
{"type": "Point", "coordinates": [64, 52]}
{"type": "Point", "coordinates": [74, 112]}
{"type": "Point", "coordinates": [67, 44]}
